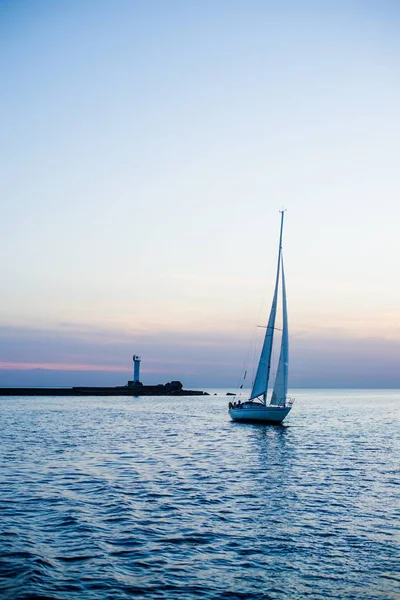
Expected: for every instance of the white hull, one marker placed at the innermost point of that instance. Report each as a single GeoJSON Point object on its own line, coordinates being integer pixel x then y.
{"type": "Point", "coordinates": [258, 413]}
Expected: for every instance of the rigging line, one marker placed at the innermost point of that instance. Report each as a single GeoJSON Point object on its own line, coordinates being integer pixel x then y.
{"type": "Point", "coordinates": [245, 364]}
{"type": "Point", "coordinates": [256, 351]}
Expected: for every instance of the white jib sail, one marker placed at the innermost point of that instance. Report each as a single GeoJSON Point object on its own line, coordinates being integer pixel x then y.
{"type": "Point", "coordinates": [281, 380]}
{"type": "Point", "coordinates": [261, 381]}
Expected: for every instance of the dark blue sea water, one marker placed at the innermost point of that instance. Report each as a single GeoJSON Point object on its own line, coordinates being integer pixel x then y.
{"type": "Point", "coordinates": [166, 498]}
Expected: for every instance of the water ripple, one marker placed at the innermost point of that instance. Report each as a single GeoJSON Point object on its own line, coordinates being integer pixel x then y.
{"type": "Point", "coordinates": [166, 498]}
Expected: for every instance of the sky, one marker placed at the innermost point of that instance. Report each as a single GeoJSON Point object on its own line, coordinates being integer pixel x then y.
{"type": "Point", "coordinates": [146, 149]}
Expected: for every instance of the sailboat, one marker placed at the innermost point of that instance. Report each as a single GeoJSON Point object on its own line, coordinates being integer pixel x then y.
{"type": "Point", "coordinates": [259, 408]}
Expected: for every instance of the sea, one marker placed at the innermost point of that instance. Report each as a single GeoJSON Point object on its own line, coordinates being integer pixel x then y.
{"type": "Point", "coordinates": [166, 498]}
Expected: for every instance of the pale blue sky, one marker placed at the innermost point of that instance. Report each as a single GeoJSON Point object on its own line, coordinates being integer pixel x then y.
{"type": "Point", "coordinates": [147, 147]}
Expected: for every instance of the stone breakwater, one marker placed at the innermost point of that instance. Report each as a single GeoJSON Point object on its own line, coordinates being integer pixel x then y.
{"type": "Point", "coordinates": [174, 388]}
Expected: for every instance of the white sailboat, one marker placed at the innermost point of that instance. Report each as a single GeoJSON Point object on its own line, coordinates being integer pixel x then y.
{"type": "Point", "coordinates": [258, 408]}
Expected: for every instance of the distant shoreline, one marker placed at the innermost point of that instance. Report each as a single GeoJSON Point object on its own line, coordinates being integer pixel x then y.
{"type": "Point", "coordinates": [142, 390]}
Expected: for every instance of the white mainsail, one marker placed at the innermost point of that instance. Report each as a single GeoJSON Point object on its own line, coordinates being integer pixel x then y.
{"type": "Point", "coordinates": [281, 380]}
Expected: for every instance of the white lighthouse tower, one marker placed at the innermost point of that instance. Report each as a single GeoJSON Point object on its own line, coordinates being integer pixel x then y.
{"type": "Point", "coordinates": [136, 369]}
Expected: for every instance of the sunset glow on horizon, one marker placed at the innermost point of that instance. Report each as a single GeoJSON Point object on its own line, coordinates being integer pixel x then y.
{"type": "Point", "coordinates": [148, 148]}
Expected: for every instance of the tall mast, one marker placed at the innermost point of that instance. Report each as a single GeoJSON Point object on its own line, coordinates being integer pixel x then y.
{"type": "Point", "coordinates": [280, 241]}
{"type": "Point", "coordinates": [274, 304]}
{"type": "Point", "coordinates": [260, 386]}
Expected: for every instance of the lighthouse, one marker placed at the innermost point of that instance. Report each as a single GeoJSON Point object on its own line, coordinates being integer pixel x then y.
{"type": "Point", "coordinates": [136, 369]}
